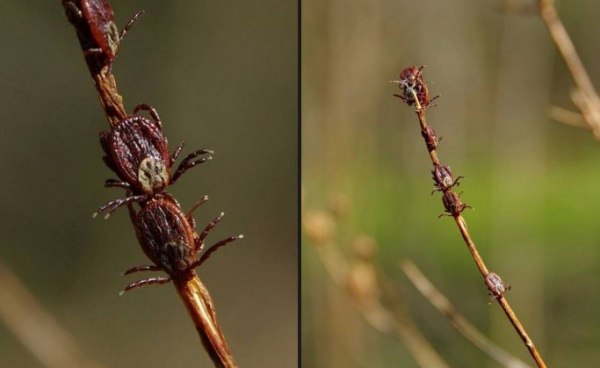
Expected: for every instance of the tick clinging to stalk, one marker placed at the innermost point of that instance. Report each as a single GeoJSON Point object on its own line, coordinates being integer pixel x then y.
{"type": "Point", "coordinates": [452, 204]}
{"type": "Point", "coordinates": [444, 179]}
{"type": "Point", "coordinates": [496, 286]}
{"type": "Point", "coordinates": [137, 150]}
{"type": "Point", "coordinates": [411, 83]}
{"type": "Point", "coordinates": [96, 16]}
{"type": "Point", "coordinates": [168, 238]}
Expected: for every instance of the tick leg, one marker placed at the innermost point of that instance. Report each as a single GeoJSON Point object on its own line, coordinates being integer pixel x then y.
{"type": "Point", "coordinates": [212, 249]}
{"type": "Point", "coordinates": [200, 202]}
{"type": "Point", "coordinates": [112, 206]}
{"type": "Point", "coordinates": [141, 268]}
{"type": "Point", "coordinates": [457, 181]}
{"type": "Point", "coordinates": [132, 214]}
{"type": "Point", "coordinates": [445, 214]}
{"type": "Point", "coordinates": [113, 183]}
{"type": "Point", "coordinates": [189, 216]}
{"type": "Point", "coordinates": [151, 281]}
{"type": "Point", "coordinates": [206, 231]}
{"type": "Point", "coordinates": [177, 151]}
{"type": "Point", "coordinates": [151, 110]}
{"type": "Point", "coordinates": [401, 97]}
{"type": "Point", "coordinates": [129, 24]}
{"type": "Point", "coordinates": [189, 162]}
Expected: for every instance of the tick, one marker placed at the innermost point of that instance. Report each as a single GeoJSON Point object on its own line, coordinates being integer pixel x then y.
{"type": "Point", "coordinates": [104, 36]}
{"type": "Point", "coordinates": [453, 205]}
{"type": "Point", "coordinates": [167, 236]}
{"type": "Point", "coordinates": [137, 150]}
{"type": "Point", "coordinates": [496, 286]}
{"type": "Point", "coordinates": [444, 179]}
{"type": "Point", "coordinates": [411, 83]}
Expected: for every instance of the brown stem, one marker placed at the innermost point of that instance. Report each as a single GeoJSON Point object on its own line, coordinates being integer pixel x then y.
{"type": "Point", "coordinates": [462, 226]}
{"type": "Point", "coordinates": [462, 325]}
{"type": "Point", "coordinates": [558, 32]}
{"type": "Point", "coordinates": [200, 307]}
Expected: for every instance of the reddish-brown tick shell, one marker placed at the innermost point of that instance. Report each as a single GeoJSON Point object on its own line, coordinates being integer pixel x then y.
{"type": "Point", "coordinates": [412, 78]}
{"type": "Point", "coordinates": [134, 141]}
{"type": "Point", "coordinates": [101, 20]}
{"type": "Point", "coordinates": [452, 203]}
{"type": "Point", "coordinates": [495, 285]}
{"type": "Point", "coordinates": [442, 176]}
{"type": "Point", "coordinates": [166, 236]}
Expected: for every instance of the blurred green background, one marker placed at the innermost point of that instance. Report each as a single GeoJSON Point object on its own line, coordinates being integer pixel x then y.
{"type": "Point", "coordinates": [532, 180]}
{"type": "Point", "coordinates": [223, 76]}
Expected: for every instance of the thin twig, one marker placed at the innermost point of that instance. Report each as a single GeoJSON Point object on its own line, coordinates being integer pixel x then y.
{"type": "Point", "coordinates": [462, 325]}
{"type": "Point", "coordinates": [455, 207]}
{"type": "Point", "coordinates": [567, 117]}
{"type": "Point", "coordinates": [37, 330]}
{"type": "Point", "coordinates": [193, 293]}
{"type": "Point", "coordinates": [588, 101]}
{"type": "Point", "coordinates": [370, 308]}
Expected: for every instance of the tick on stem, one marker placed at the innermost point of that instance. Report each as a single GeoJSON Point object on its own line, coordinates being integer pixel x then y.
{"type": "Point", "coordinates": [137, 150]}
{"type": "Point", "coordinates": [496, 286]}
{"type": "Point", "coordinates": [411, 83]}
{"type": "Point", "coordinates": [104, 37]}
{"type": "Point", "coordinates": [167, 236]}
{"type": "Point", "coordinates": [453, 205]}
{"type": "Point", "coordinates": [444, 179]}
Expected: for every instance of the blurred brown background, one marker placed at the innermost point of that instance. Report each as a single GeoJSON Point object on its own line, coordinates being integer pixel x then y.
{"type": "Point", "coordinates": [532, 180]}
{"type": "Point", "coordinates": [222, 76]}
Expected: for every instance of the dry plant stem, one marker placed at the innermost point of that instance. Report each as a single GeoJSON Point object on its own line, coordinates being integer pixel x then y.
{"type": "Point", "coordinates": [37, 330]}
{"type": "Point", "coordinates": [193, 293]}
{"type": "Point", "coordinates": [462, 325]}
{"type": "Point", "coordinates": [590, 107]}
{"type": "Point", "coordinates": [462, 226]}
{"type": "Point", "coordinates": [199, 305]}
{"type": "Point", "coordinates": [378, 316]}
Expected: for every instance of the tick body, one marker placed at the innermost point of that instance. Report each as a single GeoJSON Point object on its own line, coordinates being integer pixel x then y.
{"type": "Point", "coordinates": [495, 285]}
{"type": "Point", "coordinates": [411, 83]}
{"type": "Point", "coordinates": [431, 139]}
{"type": "Point", "coordinates": [137, 150]}
{"type": "Point", "coordinates": [452, 204]}
{"type": "Point", "coordinates": [443, 178]}
{"type": "Point", "coordinates": [104, 36]}
{"type": "Point", "coordinates": [167, 236]}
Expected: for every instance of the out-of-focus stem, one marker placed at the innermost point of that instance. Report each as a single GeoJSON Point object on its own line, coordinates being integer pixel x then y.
{"type": "Point", "coordinates": [589, 103]}
{"type": "Point", "coordinates": [462, 325]}
{"type": "Point", "coordinates": [37, 330]}
{"type": "Point", "coordinates": [377, 315]}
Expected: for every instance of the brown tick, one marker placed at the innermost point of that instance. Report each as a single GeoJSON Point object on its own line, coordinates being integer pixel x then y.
{"type": "Point", "coordinates": [167, 236]}
{"type": "Point", "coordinates": [137, 151]}
{"type": "Point", "coordinates": [411, 80]}
{"type": "Point", "coordinates": [431, 139]}
{"type": "Point", "coordinates": [443, 178]}
{"type": "Point", "coordinates": [452, 204]}
{"type": "Point", "coordinates": [104, 36]}
{"type": "Point", "coordinates": [496, 286]}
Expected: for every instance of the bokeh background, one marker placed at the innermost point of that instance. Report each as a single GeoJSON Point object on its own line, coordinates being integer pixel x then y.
{"type": "Point", "coordinates": [532, 180]}
{"type": "Point", "coordinates": [223, 76]}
